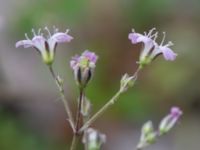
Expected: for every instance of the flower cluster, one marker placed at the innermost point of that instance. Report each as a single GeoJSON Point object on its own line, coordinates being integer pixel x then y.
{"type": "Point", "coordinates": [83, 67]}
{"type": "Point", "coordinates": [45, 45]}
{"type": "Point", "coordinates": [151, 48]}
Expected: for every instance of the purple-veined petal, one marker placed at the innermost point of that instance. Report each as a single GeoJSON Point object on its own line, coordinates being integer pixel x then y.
{"type": "Point", "coordinates": [148, 46]}
{"type": "Point", "coordinates": [137, 38]}
{"type": "Point", "coordinates": [52, 44]}
{"type": "Point", "coordinates": [133, 37]}
{"type": "Point", "coordinates": [61, 37]}
{"type": "Point", "coordinates": [90, 55]}
{"type": "Point", "coordinates": [144, 39]}
{"type": "Point", "coordinates": [25, 43]}
{"type": "Point", "coordinates": [168, 53]}
{"type": "Point", "coordinates": [74, 61]}
{"type": "Point", "coordinates": [156, 51]}
{"type": "Point", "coordinates": [39, 43]}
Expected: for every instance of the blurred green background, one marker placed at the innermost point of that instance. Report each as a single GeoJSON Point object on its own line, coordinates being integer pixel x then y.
{"type": "Point", "coordinates": [31, 115]}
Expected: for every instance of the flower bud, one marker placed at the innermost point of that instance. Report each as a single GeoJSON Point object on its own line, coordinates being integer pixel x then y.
{"type": "Point", "coordinates": [93, 139]}
{"type": "Point", "coordinates": [82, 76]}
{"type": "Point", "coordinates": [86, 107]}
{"type": "Point", "coordinates": [83, 67]}
{"type": "Point", "coordinates": [60, 80]}
{"type": "Point", "coordinates": [170, 120]}
{"type": "Point", "coordinates": [126, 82]}
{"type": "Point", "coordinates": [147, 128]}
{"type": "Point", "coordinates": [148, 135]}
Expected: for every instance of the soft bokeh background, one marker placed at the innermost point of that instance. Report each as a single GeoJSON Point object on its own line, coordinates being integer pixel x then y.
{"type": "Point", "coordinates": [31, 114]}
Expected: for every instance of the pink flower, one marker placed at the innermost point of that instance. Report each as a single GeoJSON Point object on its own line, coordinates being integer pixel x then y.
{"type": "Point", "coordinates": [87, 59]}
{"type": "Point", "coordinates": [45, 45]}
{"type": "Point", "coordinates": [175, 112]}
{"type": "Point", "coordinates": [150, 47]}
{"type": "Point", "coordinates": [170, 120]}
{"type": "Point", "coordinates": [83, 67]}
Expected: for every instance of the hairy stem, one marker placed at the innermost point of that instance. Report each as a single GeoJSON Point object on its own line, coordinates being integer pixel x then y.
{"type": "Point", "coordinates": [65, 102]}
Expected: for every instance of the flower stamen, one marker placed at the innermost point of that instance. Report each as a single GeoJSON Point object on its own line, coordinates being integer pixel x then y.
{"type": "Point", "coordinates": [48, 32]}
{"type": "Point", "coordinates": [67, 31]}
{"type": "Point", "coordinates": [169, 44]}
{"type": "Point", "coordinates": [163, 39]}
{"type": "Point", "coordinates": [33, 31]}
{"type": "Point", "coordinates": [26, 36]}
{"type": "Point", "coordinates": [55, 30]}
{"type": "Point", "coordinates": [150, 32]}
{"type": "Point", "coordinates": [39, 31]}
{"type": "Point", "coordinates": [153, 35]}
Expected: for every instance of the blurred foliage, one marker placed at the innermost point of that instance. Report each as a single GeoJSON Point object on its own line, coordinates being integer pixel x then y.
{"type": "Point", "coordinates": [14, 136]}
{"type": "Point", "coordinates": [45, 12]}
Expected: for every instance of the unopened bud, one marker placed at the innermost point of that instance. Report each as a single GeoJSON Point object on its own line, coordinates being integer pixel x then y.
{"type": "Point", "coordinates": [126, 82]}
{"type": "Point", "coordinates": [148, 135]}
{"type": "Point", "coordinates": [170, 120]}
{"type": "Point", "coordinates": [83, 67]}
{"type": "Point", "coordinates": [93, 139]}
{"type": "Point", "coordinates": [60, 80]}
{"type": "Point", "coordinates": [83, 76]}
{"type": "Point", "coordinates": [147, 128]}
{"type": "Point", "coordinates": [86, 107]}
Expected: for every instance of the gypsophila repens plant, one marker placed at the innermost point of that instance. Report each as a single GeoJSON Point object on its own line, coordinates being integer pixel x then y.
{"type": "Point", "coordinates": [83, 67]}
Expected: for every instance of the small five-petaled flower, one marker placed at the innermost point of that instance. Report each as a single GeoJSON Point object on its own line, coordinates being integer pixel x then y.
{"type": "Point", "coordinates": [151, 48]}
{"type": "Point", "coordinates": [45, 45]}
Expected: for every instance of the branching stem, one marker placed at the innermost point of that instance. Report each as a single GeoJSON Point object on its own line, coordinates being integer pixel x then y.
{"type": "Point", "coordinates": [107, 105]}
{"type": "Point", "coordinates": [64, 100]}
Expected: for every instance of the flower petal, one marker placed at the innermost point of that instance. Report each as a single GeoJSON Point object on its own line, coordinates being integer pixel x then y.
{"type": "Point", "coordinates": [144, 39]}
{"type": "Point", "coordinates": [90, 55]}
{"type": "Point", "coordinates": [74, 61]}
{"type": "Point", "coordinates": [39, 43]}
{"type": "Point", "coordinates": [133, 37]}
{"type": "Point", "coordinates": [176, 112]}
{"type": "Point", "coordinates": [168, 53]}
{"type": "Point", "coordinates": [25, 43]}
{"type": "Point", "coordinates": [61, 37]}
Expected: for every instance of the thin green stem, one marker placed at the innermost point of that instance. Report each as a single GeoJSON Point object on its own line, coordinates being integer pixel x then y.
{"type": "Point", "coordinates": [100, 112]}
{"type": "Point", "coordinates": [78, 121]}
{"type": "Point", "coordinates": [107, 105]}
{"type": "Point", "coordinates": [65, 102]}
{"type": "Point", "coordinates": [78, 116]}
{"type": "Point", "coordinates": [74, 142]}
